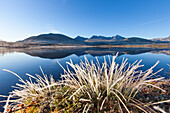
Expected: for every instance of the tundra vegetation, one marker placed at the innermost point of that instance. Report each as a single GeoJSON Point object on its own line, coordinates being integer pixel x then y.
{"type": "Point", "coordinates": [92, 87]}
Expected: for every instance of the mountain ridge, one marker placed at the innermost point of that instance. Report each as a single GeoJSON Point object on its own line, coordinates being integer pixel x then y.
{"type": "Point", "coordinates": [137, 39]}
{"type": "Point", "coordinates": [52, 38]}
{"type": "Point", "coordinates": [62, 37]}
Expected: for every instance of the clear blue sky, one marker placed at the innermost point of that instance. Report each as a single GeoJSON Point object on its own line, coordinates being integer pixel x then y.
{"type": "Point", "coordinates": [20, 19]}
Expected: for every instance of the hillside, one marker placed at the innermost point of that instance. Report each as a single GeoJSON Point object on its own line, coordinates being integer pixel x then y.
{"type": "Point", "coordinates": [118, 37]}
{"type": "Point", "coordinates": [101, 37]}
{"type": "Point", "coordinates": [103, 40]}
{"type": "Point", "coordinates": [162, 39]}
{"type": "Point", "coordinates": [80, 38]}
{"type": "Point", "coordinates": [51, 39]}
{"type": "Point", "coordinates": [137, 39]}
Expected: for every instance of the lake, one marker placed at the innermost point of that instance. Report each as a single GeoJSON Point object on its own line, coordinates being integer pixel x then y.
{"type": "Point", "coordinates": [29, 61]}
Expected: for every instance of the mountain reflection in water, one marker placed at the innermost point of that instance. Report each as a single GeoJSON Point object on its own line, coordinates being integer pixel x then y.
{"type": "Point", "coordinates": [61, 53]}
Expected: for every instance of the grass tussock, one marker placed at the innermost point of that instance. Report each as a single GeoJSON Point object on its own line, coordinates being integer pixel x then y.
{"type": "Point", "coordinates": [90, 87]}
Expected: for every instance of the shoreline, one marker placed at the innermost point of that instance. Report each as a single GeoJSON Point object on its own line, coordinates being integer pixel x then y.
{"type": "Point", "coordinates": [166, 46]}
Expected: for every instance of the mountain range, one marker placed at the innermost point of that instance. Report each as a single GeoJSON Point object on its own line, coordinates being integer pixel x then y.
{"type": "Point", "coordinates": [58, 40]}
{"type": "Point", "coordinates": [117, 37]}
{"type": "Point", "coordinates": [63, 39]}
{"type": "Point", "coordinates": [54, 38]}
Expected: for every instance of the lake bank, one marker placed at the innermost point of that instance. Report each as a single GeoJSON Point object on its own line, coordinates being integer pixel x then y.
{"type": "Point", "coordinates": [89, 46]}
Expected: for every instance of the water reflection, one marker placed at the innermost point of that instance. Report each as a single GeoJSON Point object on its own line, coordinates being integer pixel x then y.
{"type": "Point", "coordinates": [61, 53]}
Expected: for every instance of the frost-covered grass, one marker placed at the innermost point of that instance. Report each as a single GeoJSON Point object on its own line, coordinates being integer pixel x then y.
{"type": "Point", "coordinates": [90, 87]}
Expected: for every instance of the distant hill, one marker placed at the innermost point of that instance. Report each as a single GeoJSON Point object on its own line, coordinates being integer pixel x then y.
{"type": "Point", "coordinates": [80, 38]}
{"type": "Point", "coordinates": [50, 38]}
{"type": "Point", "coordinates": [101, 37]}
{"type": "Point", "coordinates": [118, 37]}
{"type": "Point", "coordinates": [162, 39]}
{"type": "Point", "coordinates": [137, 39]}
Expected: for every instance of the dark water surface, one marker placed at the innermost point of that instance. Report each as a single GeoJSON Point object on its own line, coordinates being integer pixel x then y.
{"type": "Point", "coordinates": [29, 62]}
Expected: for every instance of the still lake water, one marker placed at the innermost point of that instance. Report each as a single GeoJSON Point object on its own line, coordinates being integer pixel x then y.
{"type": "Point", "coordinates": [29, 62]}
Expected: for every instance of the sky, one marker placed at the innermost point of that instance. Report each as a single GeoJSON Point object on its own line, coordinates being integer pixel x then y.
{"type": "Point", "coordinates": [20, 19]}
